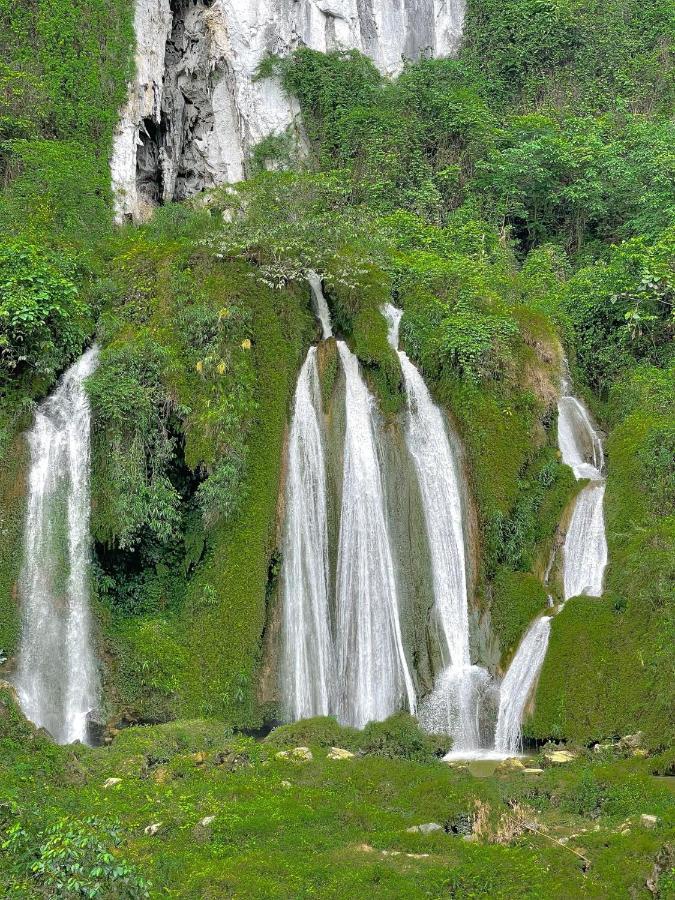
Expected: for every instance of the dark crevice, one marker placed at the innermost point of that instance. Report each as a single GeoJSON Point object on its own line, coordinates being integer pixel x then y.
{"type": "Point", "coordinates": [170, 159]}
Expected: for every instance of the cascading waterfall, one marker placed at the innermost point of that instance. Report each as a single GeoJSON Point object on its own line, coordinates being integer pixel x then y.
{"type": "Point", "coordinates": [584, 561]}
{"type": "Point", "coordinates": [373, 674]}
{"type": "Point", "coordinates": [517, 685]}
{"type": "Point", "coordinates": [585, 548]}
{"type": "Point", "coordinates": [57, 679]}
{"type": "Point", "coordinates": [308, 677]}
{"type": "Point", "coordinates": [320, 306]}
{"type": "Point", "coordinates": [452, 707]}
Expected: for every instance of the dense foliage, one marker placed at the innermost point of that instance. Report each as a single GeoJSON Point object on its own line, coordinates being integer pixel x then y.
{"type": "Point", "coordinates": [515, 201]}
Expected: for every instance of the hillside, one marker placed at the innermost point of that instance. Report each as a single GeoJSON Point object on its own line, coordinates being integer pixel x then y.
{"type": "Point", "coordinates": [183, 189]}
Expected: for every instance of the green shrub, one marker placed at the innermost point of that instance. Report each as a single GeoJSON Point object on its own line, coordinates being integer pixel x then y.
{"type": "Point", "coordinates": [323, 731]}
{"type": "Point", "coordinates": [43, 320]}
{"type": "Point", "coordinates": [401, 737]}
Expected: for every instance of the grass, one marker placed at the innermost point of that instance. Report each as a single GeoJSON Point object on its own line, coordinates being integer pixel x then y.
{"type": "Point", "coordinates": [285, 828]}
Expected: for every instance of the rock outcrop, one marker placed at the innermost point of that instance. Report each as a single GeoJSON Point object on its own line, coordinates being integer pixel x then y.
{"type": "Point", "coordinates": [195, 110]}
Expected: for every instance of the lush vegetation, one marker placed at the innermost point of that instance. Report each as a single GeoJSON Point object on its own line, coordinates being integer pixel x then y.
{"type": "Point", "coordinates": [517, 202]}
{"type": "Point", "coordinates": [193, 810]}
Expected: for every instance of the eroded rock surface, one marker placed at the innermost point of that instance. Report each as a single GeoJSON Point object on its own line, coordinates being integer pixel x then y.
{"type": "Point", "coordinates": [195, 110]}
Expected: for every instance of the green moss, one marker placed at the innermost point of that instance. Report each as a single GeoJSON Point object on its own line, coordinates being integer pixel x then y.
{"type": "Point", "coordinates": [13, 471]}
{"type": "Point", "coordinates": [616, 651]}
{"type": "Point", "coordinates": [328, 369]}
{"type": "Point", "coordinates": [516, 598]}
{"type": "Point", "coordinates": [224, 639]}
{"type": "Point", "coordinates": [284, 828]}
{"type": "Point", "coordinates": [381, 365]}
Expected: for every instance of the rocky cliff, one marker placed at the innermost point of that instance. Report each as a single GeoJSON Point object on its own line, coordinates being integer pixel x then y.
{"type": "Point", "coordinates": [195, 109]}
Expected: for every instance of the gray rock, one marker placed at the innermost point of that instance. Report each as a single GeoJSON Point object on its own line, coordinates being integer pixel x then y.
{"type": "Point", "coordinates": [648, 821]}
{"type": "Point", "coordinates": [426, 828]}
{"type": "Point", "coordinates": [153, 829]}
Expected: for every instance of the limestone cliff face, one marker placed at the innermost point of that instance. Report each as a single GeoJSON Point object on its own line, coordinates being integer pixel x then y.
{"type": "Point", "coordinates": [195, 112]}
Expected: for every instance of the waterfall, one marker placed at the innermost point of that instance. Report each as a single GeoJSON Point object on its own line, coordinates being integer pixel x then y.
{"type": "Point", "coordinates": [517, 686]}
{"type": "Point", "coordinates": [362, 674]}
{"type": "Point", "coordinates": [452, 706]}
{"type": "Point", "coordinates": [584, 561]}
{"type": "Point", "coordinates": [373, 674]}
{"type": "Point", "coordinates": [307, 669]}
{"type": "Point", "coordinates": [320, 306]}
{"type": "Point", "coordinates": [585, 548]}
{"type": "Point", "coordinates": [57, 678]}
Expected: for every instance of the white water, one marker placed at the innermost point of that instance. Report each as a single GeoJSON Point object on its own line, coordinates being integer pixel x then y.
{"type": "Point", "coordinates": [585, 548]}
{"type": "Point", "coordinates": [320, 306]}
{"type": "Point", "coordinates": [308, 677]}
{"type": "Point", "coordinates": [57, 679]}
{"type": "Point", "coordinates": [374, 679]}
{"type": "Point", "coordinates": [584, 561]}
{"type": "Point", "coordinates": [453, 705]}
{"type": "Point", "coordinates": [517, 686]}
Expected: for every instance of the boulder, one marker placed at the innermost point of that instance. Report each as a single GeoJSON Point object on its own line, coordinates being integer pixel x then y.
{"type": "Point", "coordinates": [303, 754]}
{"type": "Point", "coordinates": [339, 753]}
{"type": "Point", "coordinates": [512, 764]}
{"type": "Point", "coordinates": [560, 756]}
{"type": "Point", "coordinates": [632, 741]}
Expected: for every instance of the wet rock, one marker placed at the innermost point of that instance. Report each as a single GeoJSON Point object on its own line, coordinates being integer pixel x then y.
{"type": "Point", "coordinates": [648, 821]}
{"type": "Point", "coordinates": [111, 782]}
{"type": "Point", "coordinates": [153, 829]}
{"type": "Point", "coordinates": [339, 753]}
{"type": "Point", "coordinates": [506, 766]}
{"type": "Point", "coordinates": [426, 828]}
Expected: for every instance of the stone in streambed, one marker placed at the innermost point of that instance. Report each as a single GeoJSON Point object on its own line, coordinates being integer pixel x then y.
{"type": "Point", "coordinates": [560, 756]}
{"type": "Point", "coordinates": [512, 764]}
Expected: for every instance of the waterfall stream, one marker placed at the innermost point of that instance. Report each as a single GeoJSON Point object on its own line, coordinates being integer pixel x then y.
{"type": "Point", "coordinates": [452, 707]}
{"type": "Point", "coordinates": [373, 674]}
{"type": "Point", "coordinates": [308, 678]}
{"type": "Point", "coordinates": [517, 685]}
{"type": "Point", "coordinates": [362, 673]}
{"type": "Point", "coordinates": [57, 679]}
{"type": "Point", "coordinates": [584, 561]}
{"type": "Point", "coordinates": [585, 548]}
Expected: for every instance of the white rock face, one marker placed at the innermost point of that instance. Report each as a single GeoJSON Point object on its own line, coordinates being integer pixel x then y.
{"type": "Point", "coordinates": [195, 111]}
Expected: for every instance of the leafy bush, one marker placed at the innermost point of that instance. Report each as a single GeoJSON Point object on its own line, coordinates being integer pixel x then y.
{"type": "Point", "coordinates": [70, 858]}
{"type": "Point", "coordinates": [322, 731]}
{"type": "Point", "coordinates": [401, 737]}
{"type": "Point", "coordinates": [43, 320]}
